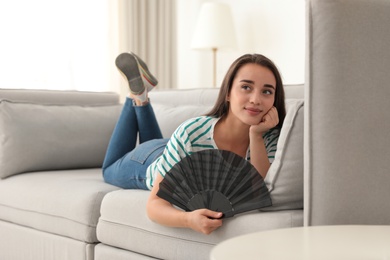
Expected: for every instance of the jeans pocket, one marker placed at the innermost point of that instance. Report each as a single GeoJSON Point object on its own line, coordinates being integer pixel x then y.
{"type": "Point", "coordinates": [149, 149]}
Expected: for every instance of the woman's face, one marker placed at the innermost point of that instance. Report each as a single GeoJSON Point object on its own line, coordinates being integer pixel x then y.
{"type": "Point", "coordinates": [252, 94]}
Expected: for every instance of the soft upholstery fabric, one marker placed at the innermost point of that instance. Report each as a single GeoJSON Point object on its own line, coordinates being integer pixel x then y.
{"type": "Point", "coordinates": [37, 137]}
{"type": "Point", "coordinates": [65, 203]}
{"type": "Point", "coordinates": [347, 169]}
{"type": "Point", "coordinates": [23, 243]}
{"type": "Point", "coordinates": [60, 97]}
{"type": "Point", "coordinates": [175, 106]}
{"type": "Point", "coordinates": [285, 176]}
{"type": "Point", "coordinates": [104, 252]}
{"type": "Point", "coordinates": [126, 225]}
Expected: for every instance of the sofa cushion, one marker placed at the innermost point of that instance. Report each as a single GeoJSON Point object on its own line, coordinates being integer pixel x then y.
{"type": "Point", "coordinates": [104, 252]}
{"type": "Point", "coordinates": [24, 243]}
{"type": "Point", "coordinates": [38, 137]}
{"type": "Point", "coordinates": [285, 176]}
{"type": "Point", "coordinates": [173, 107]}
{"type": "Point", "coordinates": [65, 203]}
{"type": "Point", "coordinates": [124, 224]}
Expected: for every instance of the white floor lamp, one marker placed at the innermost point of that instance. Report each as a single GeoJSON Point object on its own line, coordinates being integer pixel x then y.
{"type": "Point", "coordinates": [214, 31]}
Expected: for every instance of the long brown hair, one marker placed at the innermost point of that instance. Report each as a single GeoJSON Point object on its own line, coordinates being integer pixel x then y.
{"type": "Point", "coordinates": [221, 107]}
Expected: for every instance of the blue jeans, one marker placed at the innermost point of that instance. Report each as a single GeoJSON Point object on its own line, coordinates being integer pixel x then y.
{"type": "Point", "coordinates": [125, 163]}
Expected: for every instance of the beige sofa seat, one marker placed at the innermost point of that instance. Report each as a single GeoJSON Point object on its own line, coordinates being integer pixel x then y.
{"type": "Point", "coordinates": [124, 224]}
{"type": "Point", "coordinates": [66, 203]}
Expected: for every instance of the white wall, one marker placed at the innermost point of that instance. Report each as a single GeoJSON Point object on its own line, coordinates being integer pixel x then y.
{"type": "Point", "coordinates": [275, 28]}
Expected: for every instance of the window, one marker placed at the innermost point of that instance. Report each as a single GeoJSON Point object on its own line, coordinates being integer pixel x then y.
{"type": "Point", "coordinates": [48, 44]}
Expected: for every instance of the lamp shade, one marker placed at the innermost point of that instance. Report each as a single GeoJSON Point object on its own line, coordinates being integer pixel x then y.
{"type": "Point", "coordinates": [215, 28]}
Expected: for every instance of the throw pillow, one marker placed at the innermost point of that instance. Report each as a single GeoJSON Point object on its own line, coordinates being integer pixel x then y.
{"type": "Point", "coordinates": [285, 176]}
{"type": "Point", "coordinates": [37, 137]}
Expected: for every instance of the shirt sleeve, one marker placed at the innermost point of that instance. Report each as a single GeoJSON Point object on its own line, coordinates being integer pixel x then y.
{"type": "Point", "coordinates": [271, 142]}
{"type": "Point", "coordinates": [178, 147]}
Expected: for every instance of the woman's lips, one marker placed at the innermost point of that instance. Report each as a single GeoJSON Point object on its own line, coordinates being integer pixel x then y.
{"type": "Point", "coordinates": [253, 111]}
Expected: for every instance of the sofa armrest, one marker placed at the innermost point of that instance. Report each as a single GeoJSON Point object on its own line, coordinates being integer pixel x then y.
{"type": "Point", "coordinates": [347, 124]}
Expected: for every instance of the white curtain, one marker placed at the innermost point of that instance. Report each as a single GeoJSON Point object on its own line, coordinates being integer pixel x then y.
{"type": "Point", "coordinates": [148, 28]}
{"type": "Point", "coordinates": [72, 45]}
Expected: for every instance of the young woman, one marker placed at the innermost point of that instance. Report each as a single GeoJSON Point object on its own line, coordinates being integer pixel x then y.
{"type": "Point", "coordinates": [246, 120]}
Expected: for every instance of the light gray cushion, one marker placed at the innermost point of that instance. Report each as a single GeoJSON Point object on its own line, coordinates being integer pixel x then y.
{"type": "Point", "coordinates": [25, 243]}
{"type": "Point", "coordinates": [104, 252]}
{"type": "Point", "coordinates": [65, 203]}
{"type": "Point", "coordinates": [169, 118]}
{"type": "Point", "coordinates": [285, 176]}
{"type": "Point", "coordinates": [173, 107]}
{"type": "Point", "coordinates": [36, 137]}
{"type": "Point", "coordinates": [124, 224]}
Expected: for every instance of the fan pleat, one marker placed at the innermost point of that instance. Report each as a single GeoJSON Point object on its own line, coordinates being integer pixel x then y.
{"type": "Point", "coordinates": [215, 179]}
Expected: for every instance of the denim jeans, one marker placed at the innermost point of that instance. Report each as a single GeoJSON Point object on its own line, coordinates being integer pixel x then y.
{"type": "Point", "coordinates": [126, 162]}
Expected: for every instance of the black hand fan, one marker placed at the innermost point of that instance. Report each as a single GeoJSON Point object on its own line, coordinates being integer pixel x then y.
{"type": "Point", "coordinates": [215, 179]}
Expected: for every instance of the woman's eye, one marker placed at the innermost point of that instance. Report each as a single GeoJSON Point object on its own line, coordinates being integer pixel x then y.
{"type": "Point", "coordinates": [267, 92]}
{"type": "Point", "coordinates": [246, 87]}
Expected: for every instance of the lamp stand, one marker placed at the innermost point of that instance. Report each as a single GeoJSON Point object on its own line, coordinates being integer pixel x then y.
{"type": "Point", "coordinates": [214, 67]}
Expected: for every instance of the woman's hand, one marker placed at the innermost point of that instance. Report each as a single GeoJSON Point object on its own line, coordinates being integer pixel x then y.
{"type": "Point", "coordinates": [204, 221]}
{"type": "Point", "coordinates": [269, 120]}
{"type": "Point", "coordinates": [259, 156]}
{"type": "Point", "coordinates": [162, 212]}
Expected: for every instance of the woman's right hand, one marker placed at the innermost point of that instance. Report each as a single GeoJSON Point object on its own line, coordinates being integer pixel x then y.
{"type": "Point", "coordinates": [204, 221]}
{"type": "Point", "coordinates": [162, 212]}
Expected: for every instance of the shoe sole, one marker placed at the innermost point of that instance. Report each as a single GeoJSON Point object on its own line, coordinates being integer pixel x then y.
{"type": "Point", "coordinates": [147, 75]}
{"type": "Point", "coordinates": [128, 65]}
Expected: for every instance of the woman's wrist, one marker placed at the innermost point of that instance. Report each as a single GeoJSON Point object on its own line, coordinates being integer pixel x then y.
{"type": "Point", "coordinates": [185, 219]}
{"type": "Point", "coordinates": [253, 135]}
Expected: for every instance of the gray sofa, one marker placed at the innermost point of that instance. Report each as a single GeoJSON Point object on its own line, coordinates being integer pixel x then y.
{"type": "Point", "coordinates": [55, 205]}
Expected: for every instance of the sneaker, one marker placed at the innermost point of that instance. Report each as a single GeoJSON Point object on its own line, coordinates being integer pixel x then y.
{"type": "Point", "coordinates": [149, 80]}
{"type": "Point", "coordinates": [128, 65]}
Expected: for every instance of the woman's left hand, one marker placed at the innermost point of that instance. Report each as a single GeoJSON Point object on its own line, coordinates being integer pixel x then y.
{"type": "Point", "coordinates": [269, 120]}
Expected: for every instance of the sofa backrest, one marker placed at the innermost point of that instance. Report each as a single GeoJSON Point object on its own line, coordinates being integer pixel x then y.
{"type": "Point", "coordinates": [347, 169]}
{"type": "Point", "coordinates": [53, 97]}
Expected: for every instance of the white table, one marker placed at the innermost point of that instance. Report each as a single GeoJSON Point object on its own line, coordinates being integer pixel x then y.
{"type": "Point", "coordinates": [309, 243]}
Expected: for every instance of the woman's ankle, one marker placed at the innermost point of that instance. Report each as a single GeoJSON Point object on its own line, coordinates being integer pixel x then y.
{"type": "Point", "coordinates": [137, 102]}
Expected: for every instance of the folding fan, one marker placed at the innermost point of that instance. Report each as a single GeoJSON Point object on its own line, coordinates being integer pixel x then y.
{"type": "Point", "coordinates": [218, 180]}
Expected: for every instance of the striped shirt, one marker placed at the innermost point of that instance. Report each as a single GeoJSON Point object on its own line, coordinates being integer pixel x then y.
{"type": "Point", "coordinates": [195, 135]}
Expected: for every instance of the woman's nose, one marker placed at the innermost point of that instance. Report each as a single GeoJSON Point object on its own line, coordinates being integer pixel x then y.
{"type": "Point", "coordinates": [255, 98]}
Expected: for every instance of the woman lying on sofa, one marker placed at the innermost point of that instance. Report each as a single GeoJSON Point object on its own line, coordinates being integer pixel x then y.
{"type": "Point", "coordinates": [247, 116]}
